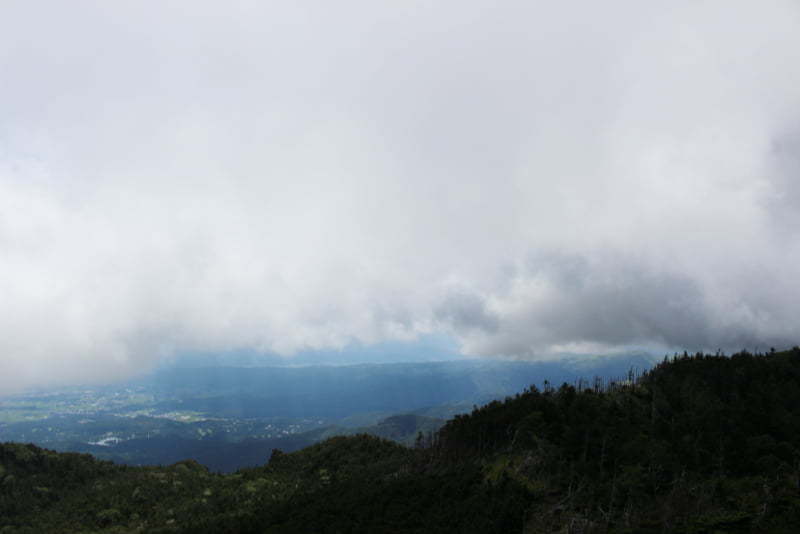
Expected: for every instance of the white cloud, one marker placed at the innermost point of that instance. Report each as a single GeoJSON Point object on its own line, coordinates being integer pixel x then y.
{"type": "Point", "coordinates": [196, 176]}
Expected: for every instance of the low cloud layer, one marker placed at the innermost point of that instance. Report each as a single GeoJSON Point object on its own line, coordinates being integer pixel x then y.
{"type": "Point", "coordinates": [529, 179]}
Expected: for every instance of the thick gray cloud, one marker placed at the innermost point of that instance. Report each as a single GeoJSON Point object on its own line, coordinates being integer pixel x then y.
{"type": "Point", "coordinates": [528, 178]}
{"type": "Point", "coordinates": [465, 311]}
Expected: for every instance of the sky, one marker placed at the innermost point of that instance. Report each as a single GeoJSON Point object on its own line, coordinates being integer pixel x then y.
{"type": "Point", "coordinates": [523, 179]}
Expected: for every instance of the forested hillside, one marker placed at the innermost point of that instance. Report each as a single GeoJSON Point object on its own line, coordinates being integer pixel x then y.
{"type": "Point", "coordinates": [704, 443]}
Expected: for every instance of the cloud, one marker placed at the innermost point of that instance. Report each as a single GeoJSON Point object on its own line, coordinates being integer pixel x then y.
{"type": "Point", "coordinates": [258, 176]}
{"type": "Point", "coordinates": [466, 312]}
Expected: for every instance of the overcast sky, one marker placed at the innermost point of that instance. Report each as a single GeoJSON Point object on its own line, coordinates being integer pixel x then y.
{"type": "Point", "coordinates": [525, 178]}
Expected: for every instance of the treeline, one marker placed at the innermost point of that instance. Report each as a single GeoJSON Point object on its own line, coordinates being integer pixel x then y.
{"type": "Point", "coordinates": [703, 443]}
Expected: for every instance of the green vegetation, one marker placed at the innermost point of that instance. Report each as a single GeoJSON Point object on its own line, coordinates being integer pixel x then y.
{"type": "Point", "coordinates": [699, 444]}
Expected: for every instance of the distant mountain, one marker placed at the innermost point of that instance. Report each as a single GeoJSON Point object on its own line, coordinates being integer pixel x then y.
{"type": "Point", "coordinates": [406, 429]}
{"type": "Point", "coordinates": [424, 349]}
{"type": "Point", "coordinates": [341, 391]}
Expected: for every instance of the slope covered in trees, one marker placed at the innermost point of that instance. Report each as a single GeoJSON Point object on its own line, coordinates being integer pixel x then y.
{"type": "Point", "coordinates": [702, 443]}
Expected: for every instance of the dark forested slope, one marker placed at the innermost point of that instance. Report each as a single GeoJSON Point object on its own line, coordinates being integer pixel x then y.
{"type": "Point", "coordinates": [698, 444]}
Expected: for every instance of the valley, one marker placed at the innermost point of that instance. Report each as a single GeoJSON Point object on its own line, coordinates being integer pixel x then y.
{"type": "Point", "coordinates": [232, 417]}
